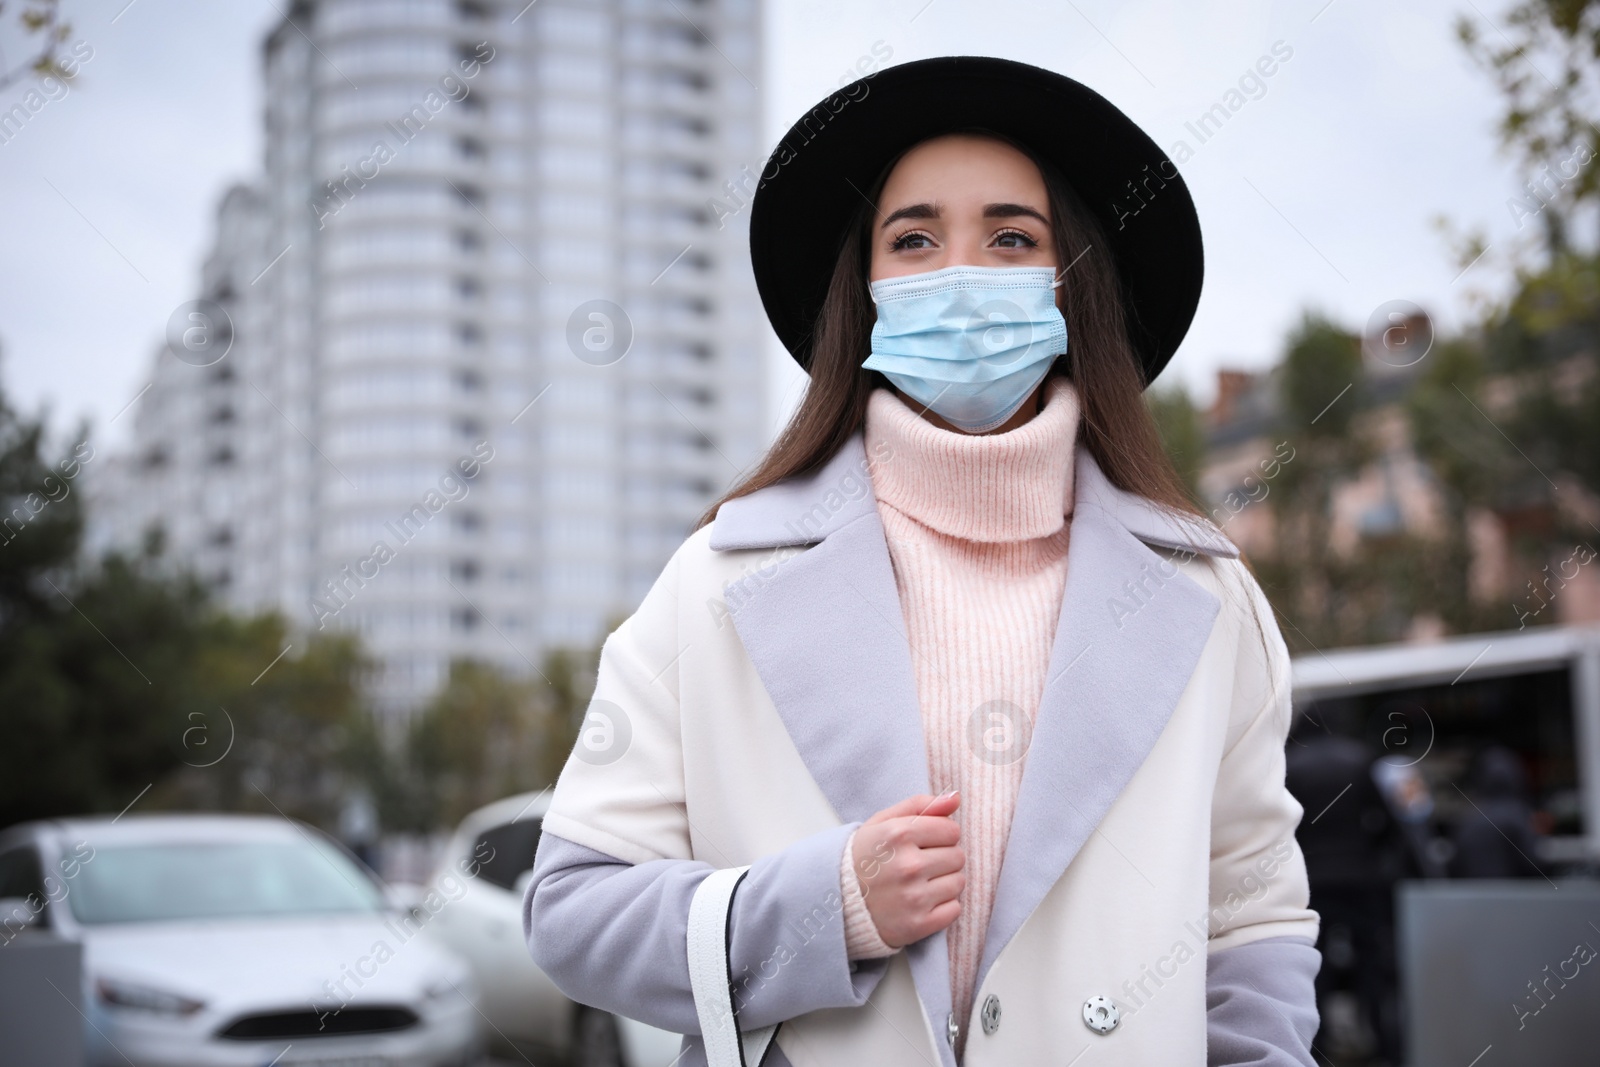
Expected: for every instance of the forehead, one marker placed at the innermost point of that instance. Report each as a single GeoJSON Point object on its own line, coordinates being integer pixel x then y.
{"type": "Point", "coordinates": [964, 166]}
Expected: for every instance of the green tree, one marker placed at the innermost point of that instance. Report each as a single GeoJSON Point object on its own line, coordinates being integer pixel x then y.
{"type": "Point", "coordinates": [1543, 340]}
{"type": "Point", "coordinates": [1546, 64]}
{"type": "Point", "coordinates": [120, 679]}
{"type": "Point", "coordinates": [1321, 396]}
{"type": "Point", "coordinates": [138, 686]}
{"type": "Point", "coordinates": [1326, 597]}
{"type": "Point", "coordinates": [474, 742]}
{"type": "Point", "coordinates": [94, 687]}
{"type": "Point", "coordinates": [90, 661]}
{"type": "Point", "coordinates": [1535, 385]}
{"type": "Point", "coordinates": [42, 20]}
{"type": "Point", "coordinates": [1179, 424]}
{"type": "Point", "coordinates": [486, 734]}
{"type": "Point", "coordinates": [1472, 469]}
{"type": "Point", "coordinates": [285, 725]}
{"type": "Point", "coordinates": [41, 519]}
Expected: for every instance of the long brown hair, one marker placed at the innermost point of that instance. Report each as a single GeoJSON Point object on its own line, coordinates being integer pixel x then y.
{"type": "Point", "coordinates": [1115, 424]}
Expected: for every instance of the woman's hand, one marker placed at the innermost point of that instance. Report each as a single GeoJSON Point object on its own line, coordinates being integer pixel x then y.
{"type": "Point", "coordinates": [910, 864]}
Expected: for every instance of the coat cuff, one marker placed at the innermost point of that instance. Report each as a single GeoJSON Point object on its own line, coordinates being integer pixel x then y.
{"type": "Point", "coordinates": [861, 938]}
{"type": "Point", "coordinates": [1261, 1003]}
{"type": "Point", "coordinates": [614, 934]}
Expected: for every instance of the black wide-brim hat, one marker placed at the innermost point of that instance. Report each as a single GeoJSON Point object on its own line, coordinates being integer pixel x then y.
{"type": "Point", "coordinates": [816, 177]}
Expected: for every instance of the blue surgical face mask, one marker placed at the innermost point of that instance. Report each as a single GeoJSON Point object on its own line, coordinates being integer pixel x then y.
{"type": "Point", "coordinates": [969, 343]}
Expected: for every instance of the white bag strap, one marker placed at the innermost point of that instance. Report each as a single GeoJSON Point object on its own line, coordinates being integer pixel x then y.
{"type": "Point", "coordinates": [711, 976]}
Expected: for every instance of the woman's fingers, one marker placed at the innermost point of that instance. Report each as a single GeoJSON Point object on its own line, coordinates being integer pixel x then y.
{"type": "Point", "coordinates": [941, 805]}
{"type": "Point", "coordinates": [911, 866]}
{"type": "Point", "coordinates": [942, 916]}
{"type": "Point", "coordinates": [894, 811]}
{"type": "Point", "coordinates": [919, 804]}
{"type": "Point", "coordinates": [946, 887]}
{"type": "Point", "coordinates": [941, 862]}
{"type": "Point", "coordinates": [929, 922]}
{"type": "Point", "coordinates": [920, 832]}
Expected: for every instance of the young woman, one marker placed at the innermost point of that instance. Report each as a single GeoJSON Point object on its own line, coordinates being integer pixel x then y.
{"type": "Point", "coordinates": [954, 734]}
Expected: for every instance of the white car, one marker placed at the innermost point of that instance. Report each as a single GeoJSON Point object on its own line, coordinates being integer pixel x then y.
{"type": "Point", "coordinates": [236, 941]}
{"type": "Point", "coordinates": [477, 911]}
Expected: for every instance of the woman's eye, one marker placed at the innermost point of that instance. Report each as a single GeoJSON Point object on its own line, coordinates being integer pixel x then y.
{"type": "Point", "coordinates": [912, 241]}
{"type": "Point", "coordinates": [1014, 239]}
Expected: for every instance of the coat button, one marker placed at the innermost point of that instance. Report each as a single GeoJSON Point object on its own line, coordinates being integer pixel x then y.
{"type": "Point", "coordinates": [1100, 1015]}
{"type": "Point", "coordinates": [950, 1029]}
{"type": "Point", "coordinates": [991, 1014]}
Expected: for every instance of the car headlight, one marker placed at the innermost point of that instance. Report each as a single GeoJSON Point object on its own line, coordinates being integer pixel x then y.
{"type": "Point", "coordinates": [140, 997]}
{"type": "Point", "coordinates": [460, 987]}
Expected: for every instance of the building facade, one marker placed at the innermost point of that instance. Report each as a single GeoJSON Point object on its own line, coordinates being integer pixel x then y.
{"type": "Point", "coordinates": [1394, 493]}
{"type": "Point", "coordinates": [493, 345]}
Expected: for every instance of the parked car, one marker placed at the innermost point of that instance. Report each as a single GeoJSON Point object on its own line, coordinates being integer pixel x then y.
{"type": "Point", "coordinates": [478, 888]}
{"type": "Point", "coordinates": [236, 940]}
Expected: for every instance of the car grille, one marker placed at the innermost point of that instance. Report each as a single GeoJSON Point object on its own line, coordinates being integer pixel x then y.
{"type": "Point", "coordinates": [319, 1024]}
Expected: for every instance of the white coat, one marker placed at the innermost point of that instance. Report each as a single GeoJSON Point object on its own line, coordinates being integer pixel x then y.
{"type": "Point", "coordinates": [760, 704]}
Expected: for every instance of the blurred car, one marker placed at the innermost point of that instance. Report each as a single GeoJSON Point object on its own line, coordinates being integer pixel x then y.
{"type": "Point", "coordinates": [477, 889]}
{"type": "Point", "coordinates": [236, 940]}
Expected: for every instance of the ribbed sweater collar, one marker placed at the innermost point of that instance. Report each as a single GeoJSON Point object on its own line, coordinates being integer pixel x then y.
{"type": "Point", "coordinates": [1011, 486]}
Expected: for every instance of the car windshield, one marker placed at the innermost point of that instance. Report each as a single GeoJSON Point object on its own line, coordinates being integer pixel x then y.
{"type": "Point", "coordinates": [218, 880]}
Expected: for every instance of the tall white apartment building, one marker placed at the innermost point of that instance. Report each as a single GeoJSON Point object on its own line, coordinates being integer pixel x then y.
{"type": "Point", "coordinates": [495, 340]}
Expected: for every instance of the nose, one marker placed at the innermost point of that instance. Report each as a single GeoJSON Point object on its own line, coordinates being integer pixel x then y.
{"type": "Point", "coordinates": [960, 248]}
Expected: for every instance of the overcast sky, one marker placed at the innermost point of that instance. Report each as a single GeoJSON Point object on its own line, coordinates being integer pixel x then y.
{"type": "Point", "coordinates": [1318, 192]}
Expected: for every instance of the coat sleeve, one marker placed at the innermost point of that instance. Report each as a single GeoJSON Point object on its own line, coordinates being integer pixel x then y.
{"type": "Point", "coordinates": [1262, 958]}
{"type": "Point", "coordinates": [605, 914]}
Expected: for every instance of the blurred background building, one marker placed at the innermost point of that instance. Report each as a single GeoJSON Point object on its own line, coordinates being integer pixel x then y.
{"type": "Point", "coordinates": [1389, 496]}
{"type": "Point", "coordinates": [487, 232]}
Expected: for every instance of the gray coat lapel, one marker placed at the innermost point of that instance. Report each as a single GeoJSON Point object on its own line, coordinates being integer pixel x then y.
{"type": "Point", "coordinates": [825, 631]}
{"type": "Point", "coordinates": [1129, 636]}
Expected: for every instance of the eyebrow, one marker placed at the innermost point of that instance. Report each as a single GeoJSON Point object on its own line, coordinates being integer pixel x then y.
{"type": "Point", "coordinates": [990, 211]}
{"type": "Point", "coordinates": [1011, 211]}
{"type": "Point", "coordinates": [911, 211]}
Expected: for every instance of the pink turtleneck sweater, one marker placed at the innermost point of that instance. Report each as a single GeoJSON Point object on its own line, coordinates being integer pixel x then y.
{"type": "Point", "coordinates": [977, 528]}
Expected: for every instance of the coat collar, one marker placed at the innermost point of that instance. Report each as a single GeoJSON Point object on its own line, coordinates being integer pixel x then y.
{"type": "Point", "coordinates": [827, 635]}
{"type": "Point", "coordinates": [799, 511]}
{"type": "Point", "coordinates": [805, 510]}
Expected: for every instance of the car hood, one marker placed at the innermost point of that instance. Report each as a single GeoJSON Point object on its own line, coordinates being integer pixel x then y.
{"type": "Point", "coordinates": [323, 960]}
